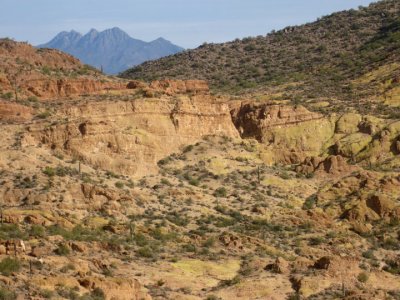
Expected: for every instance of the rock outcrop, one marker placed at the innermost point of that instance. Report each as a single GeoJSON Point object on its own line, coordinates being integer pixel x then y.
{"type": "Point", "coordinates": [171, 87]}
{"type": "Point", "coordinates": [368, 198]}
{"type": "Point", "coordinates": [290, 133]}
{"type": "Point", "coordinates": [333, 165]}
{"type": "Point", "coordinates": [117, 288]}
{"type": "Point", "coordinates": [130, 137]}
{"type": "Point", "coordinates": [13, 112]}
{"type": "Point", "coordinates": [253, 120]}
{"type": "Point", "coordinates": [48, 88]}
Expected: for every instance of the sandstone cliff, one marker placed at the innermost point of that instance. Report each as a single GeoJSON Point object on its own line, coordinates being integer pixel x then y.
{"type": "Point", "coordinates": [130, 137]}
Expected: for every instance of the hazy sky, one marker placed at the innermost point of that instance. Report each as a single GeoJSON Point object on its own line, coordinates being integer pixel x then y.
{"type": "Point", "coordinates": [187, 23]}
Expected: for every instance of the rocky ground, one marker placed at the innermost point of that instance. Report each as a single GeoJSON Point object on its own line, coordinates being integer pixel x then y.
{"type": "Point", "coordinates": [165, 191]}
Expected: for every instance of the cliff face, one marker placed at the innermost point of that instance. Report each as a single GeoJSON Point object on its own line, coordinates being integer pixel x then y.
{"type": "Point", "coordinates": [289, 133]}
{"type": "Point", "coordinates": [59, 88]}
{"type": "Point", "coordinates": [13, 112]}
{"type": "Point", "coordinates": [130, 137]}
{"type": "Point", "coordinates": [254, 120]}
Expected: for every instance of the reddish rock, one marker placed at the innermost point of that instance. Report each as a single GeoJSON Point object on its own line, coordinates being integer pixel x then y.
{"type": "Point", "coordinates": [78, 247]}
{"type": "Point", "coordinates": [280, 266]}
{"type": "Point", "coordinates": [323, 263]}
{"type": "Point", "coordinates": [13, 112]}
{"type": "Point", "coordinates": [40, 251]}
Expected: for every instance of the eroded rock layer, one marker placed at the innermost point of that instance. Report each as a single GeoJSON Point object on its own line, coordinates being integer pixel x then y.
{"type": "Point", "coordinates": [130, 137]}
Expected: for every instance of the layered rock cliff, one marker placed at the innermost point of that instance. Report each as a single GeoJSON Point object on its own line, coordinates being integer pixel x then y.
{"type": "Point", "coordinates": [130, 137]}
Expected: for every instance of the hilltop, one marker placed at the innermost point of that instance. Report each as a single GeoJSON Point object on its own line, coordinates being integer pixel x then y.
{"type": "Point", "coordinates": [111, 50]}
{"type": "Point", "coordinates": [350, 55]}
{"type": "Point", "coordinates": [28, 73]}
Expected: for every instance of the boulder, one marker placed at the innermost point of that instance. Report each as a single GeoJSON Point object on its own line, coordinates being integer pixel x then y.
{"type": "Point", "coordinates": [280, 266]}
{"type": "Point", "coordinates": [40, 251]}
{"type": "Point", "coordinates": [348, 123]}
{"type": "Point", "coordinates": [323, 263]}
{"type": "Point", "coordinates": [78, 247]}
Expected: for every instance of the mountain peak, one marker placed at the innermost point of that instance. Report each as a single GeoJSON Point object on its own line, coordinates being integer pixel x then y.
{"type": "Point", "coordinates": [116, 29]}
{"type": "Point", "coordinates": [112, 49]}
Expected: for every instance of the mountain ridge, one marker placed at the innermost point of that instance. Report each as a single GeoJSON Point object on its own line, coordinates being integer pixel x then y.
{"type": "Point", "coordinates": [112, 50]}
{"type": "Point", "coordinates": [323, 59]}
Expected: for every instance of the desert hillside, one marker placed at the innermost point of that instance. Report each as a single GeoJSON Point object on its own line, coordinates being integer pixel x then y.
{"type": "Point", "coordinates": [349, 58]}
{"type": "Point", "coordinates": [120, 189]}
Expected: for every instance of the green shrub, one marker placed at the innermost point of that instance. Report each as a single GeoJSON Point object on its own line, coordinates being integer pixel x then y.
{"type": "Point", "coordinates": [369, 254]}
{"type": "Point", "coordinates": [9, 265]}
{"type": "Point", "coordinates": [7, 295]}
{"type": "Point", "coordinates": [43, 115]}
{"type": "Point", "coordinates": [194, 181]}
{"type": "Point", "coordinates": [11, 231]}
{"type": "Point", "coordinates": [146, 252]}
{"type": "Point", "coordinates": [7, 96]}
{"type": "Point", "coordinates": [62, 250]}
{"type": "Point", "coordinates": [189, 248]}
{"type": "Point", "coordinates": [310, 202]}
{"type": "Point", "coordinates": [98, 294]}
{"type": "Point", "coordinates": [49, 171]}
{"type": "Point", "coordinates": [37, 231]}
{"type": "Point", "coordinates": [315, 241]}
{"type": "Point", "coordinates": [220, 192]}
{"type": "Point", "coordinates": [188, 149]}
{"type": "Point", "coordinates": [362, 277]}
{"type": "Point", "coordinates": [209, 242]}
{"type": "Point", "coordinates": [33, 99]}
{"type": "Point", "coordinates": [47, 294]}
{"type": "Point", "coordinates": [119, 184]}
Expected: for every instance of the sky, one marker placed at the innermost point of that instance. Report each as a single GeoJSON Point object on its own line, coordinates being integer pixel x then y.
{"type": "Point", "coordinates": [187, 23]}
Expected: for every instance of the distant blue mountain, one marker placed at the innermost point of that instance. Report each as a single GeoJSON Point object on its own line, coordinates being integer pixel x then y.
{"type": "Point", "coordinates": [113, 50]}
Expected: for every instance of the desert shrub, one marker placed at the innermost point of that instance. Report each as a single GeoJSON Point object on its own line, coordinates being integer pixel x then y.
{"type": "Point", "coordinates": [369, 254]}
{"type": "Point", "coordinates": [7, 96]}
{"type": "Point", "coordinates": [62, 250]}
{"type": "Point", "coordinates": [145, 252]}
{"type": "Point", "coordinates": [6, 294]}
{"type": "Point", "coordinates": [315, 241]}
{"type": "Point", "coordinates": [49, 171]}
{"type": "Point", "coordinates": [391, 244]}
{"type": "Point", "coordinates": [47, 294]}
{"type": "Point", "coordinates": [209, 242]}
{"type": "Point", "coordinates": [165, 181]}
{"type": "Point", "coordinates": [189, 248]}
{"type": "Point", "coordinates": [32, 99]}
{"type": "Point", "coordinates": [11, 231]}
{"type": "Point", "coordinates": [37, 231]}
{"type": "Point", "coordinates": [220, 192]}
{"type": "Point", "coordinates": [188, 148]}
{"type": "Point", "coordinates": [310, 202]}
{"type": "Point", "coordinates": [43, 115]}
{"type": "Point", "coordinates": [9, 265]}
{"type": "Point", "coordinates": [178, 220]}
{"type": "Point", "coordinates": [194, 181]}
{"type": "Point", "coordinates": [392, 267]}
{"type": "Point", "coordinates": [362, 277]}
{"type": "Point", "coordinates": [119, 184]}
{"type": "Point", "coordinates": [212, 297]}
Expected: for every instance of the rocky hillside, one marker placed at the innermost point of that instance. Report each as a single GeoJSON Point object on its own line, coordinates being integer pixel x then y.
{"type": "Point", "coordinates": [27, 73]}
{"type": "Point", "coordinates": [116, 189]}
{"type": "Point", "coordinates": [111, 50]}
{"type": "Point", "coordinates": [330, 59]}
{"type": "Point", "coordinates": [165, 193]}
